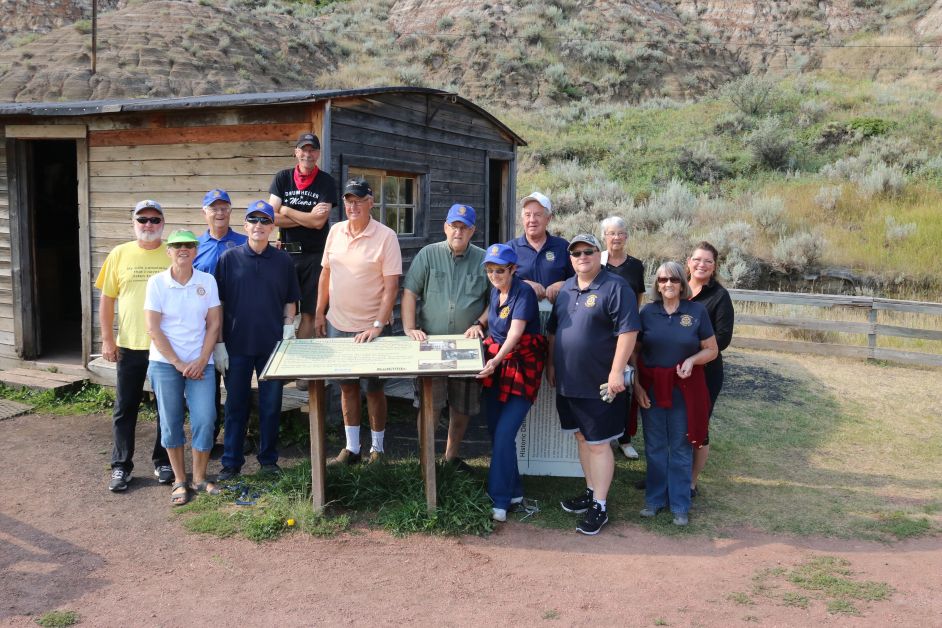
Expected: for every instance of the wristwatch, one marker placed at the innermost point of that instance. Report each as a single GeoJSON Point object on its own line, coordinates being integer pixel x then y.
{"type": "Point", "coordinates": [378, 325]}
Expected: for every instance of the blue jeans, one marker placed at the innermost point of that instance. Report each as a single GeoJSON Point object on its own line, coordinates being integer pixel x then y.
{"type": "Point", "coordinates": [669, 455]}
{"type": "Point", "coordinates": [172, 389]}
{"type": "Point", "coordinates": [503, 422]}
{"type": "Point", "coordinates": [238, 401]}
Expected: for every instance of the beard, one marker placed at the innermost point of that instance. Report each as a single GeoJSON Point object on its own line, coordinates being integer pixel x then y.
{"type": "Point", "coordinates": [148, 236]}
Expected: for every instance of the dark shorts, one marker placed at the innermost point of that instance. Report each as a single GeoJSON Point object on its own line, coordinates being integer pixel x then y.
{"type": "Point", "coordinates": [373, 384]}
{"type": "Point", "coordinates": [463, 394]}
{"type": "Point", "coordinates": [308, 267]}
{"type": "Point", "coordinates": [597, 421]}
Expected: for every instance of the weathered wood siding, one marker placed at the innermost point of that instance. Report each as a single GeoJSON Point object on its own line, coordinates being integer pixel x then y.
{"type": "Point", "coordinates": [7, 346]}
{"type": "Point", "coordinates": [449, 139]}
{"type": "Point", "coordinates": [175, 158]}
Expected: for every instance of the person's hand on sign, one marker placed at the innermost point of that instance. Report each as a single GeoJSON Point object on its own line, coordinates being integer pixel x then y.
{"type": "Point", "coordinates": [416, 334]}
{"type": "Point", "coordinates": [475, 331]}
{"type": "Point", "coordinates": [369, 334]}
{"type": "Point", "coordinates": [489, 367]}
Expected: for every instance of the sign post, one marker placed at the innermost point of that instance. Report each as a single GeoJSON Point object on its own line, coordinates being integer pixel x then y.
{"type": "Point", "coordinates": [319, 359]}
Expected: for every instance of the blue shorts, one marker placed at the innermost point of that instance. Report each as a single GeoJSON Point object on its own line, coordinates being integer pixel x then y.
{"type": "Point", "coordinates": [597, 421]}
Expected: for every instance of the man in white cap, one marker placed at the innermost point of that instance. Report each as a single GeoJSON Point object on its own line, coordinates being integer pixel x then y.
{"type": "Point", "coordinates": [542, 258]}
{"type": "Point", "coordinates": [449, 279]}
{"type": "Point", "coordinates": [123, 280]}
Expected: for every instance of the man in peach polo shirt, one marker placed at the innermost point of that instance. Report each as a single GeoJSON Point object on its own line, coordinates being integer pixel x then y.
{"type": "Point", "coordinates": [359, 282]}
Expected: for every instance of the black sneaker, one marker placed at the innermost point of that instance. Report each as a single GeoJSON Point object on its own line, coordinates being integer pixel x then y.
{"type": "Point", "coordinates": [270, 469]}
{"type": "Point", "coordinates": [228, 473]}
{"type": "Point", "coordinates": [593, 521]}
{"type": "Point", "coordinates": [164, 474]}
{"type": "Point", "coordinates": [119, 479]}
{"type": "Point", "coordinates": [459, 465]}
{"type": "Point", "coordinates": [578, 504]}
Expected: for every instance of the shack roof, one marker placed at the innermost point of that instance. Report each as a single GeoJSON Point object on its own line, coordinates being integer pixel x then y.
{"type": "Point", "coordinates": [118, 105]}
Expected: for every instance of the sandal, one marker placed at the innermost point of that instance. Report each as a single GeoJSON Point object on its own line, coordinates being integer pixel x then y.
{"type": "Point", "coordinates": [179, 499]}
{"type": "Point", "coordinates": [205, 487]}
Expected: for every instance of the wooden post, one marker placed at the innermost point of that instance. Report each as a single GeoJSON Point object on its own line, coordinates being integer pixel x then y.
{"type": "Point", "coordinates": [317, 415]}
{"type": "Point", "coordinates": [872, 334]}
{"type": "Point", "coordinates": [427, 443]}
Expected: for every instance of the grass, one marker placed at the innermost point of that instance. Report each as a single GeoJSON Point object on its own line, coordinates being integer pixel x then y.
{"type": "Point", "coordinates": [89, 399]}
{"type": "Point", "coordinates": [824, 579]}
{"type": "Point", "coordinates": [387, 496]}
{"type": "Point", "coordinates": [58, 619]}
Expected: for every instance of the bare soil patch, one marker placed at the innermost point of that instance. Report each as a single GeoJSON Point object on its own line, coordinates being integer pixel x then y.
{"type": "Point", "coordinates": [124, 559]}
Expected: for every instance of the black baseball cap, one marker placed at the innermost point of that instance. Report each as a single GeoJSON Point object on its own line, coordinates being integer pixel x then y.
{"type": "Point", "coordinates": [357, 187]}
{"type": "Point", "coordinates": [308, 139]}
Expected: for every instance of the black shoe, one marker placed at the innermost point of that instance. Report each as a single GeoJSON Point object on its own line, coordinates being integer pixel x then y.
{"type": "Point", "coordinates": [593, 521]}
{"type": "Point", "coordinates": [641, 485]}
{"type": "Point", "coordinates": [164, 474]}
{"type": "Point", "coordinates": [270, 469]}
{"type": "Point", "coordinates": [578, 504]}
{"type": "Point", "coordinates": [459, 465]}
{"type": "Point", "coordinates": [119, 479]}
{"type": "Point", "coordinates": [694, 492]}
{"type": "Point", "coordinates": [228, 473]}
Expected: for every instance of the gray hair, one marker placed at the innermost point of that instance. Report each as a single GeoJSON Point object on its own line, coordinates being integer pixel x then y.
{"type": "Point", "coordinates": [669, 269]}
{"type": "Point", "coordinates": [612, 221]}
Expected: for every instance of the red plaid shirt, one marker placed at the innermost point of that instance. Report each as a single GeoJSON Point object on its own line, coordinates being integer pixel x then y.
{"type": "Point", "coordinates": [521, 370]}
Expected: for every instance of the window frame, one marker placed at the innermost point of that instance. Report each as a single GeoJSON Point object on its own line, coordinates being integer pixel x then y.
{"type": "Point", "coordinates": [389, 167]}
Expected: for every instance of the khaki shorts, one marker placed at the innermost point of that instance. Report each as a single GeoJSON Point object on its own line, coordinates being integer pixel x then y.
{"type": "Point", "coordinates": [463, 394]}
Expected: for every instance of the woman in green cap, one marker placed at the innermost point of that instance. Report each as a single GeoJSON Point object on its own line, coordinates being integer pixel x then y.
{"type": "Point", "coordinates": [183, 316]}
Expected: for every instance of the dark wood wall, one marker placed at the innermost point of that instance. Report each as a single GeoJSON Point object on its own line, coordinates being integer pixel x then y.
{"type": "Point", "coordinates": [447, 142]}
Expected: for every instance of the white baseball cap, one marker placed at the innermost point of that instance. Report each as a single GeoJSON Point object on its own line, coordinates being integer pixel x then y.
{"type": "Point", "coordinates": [542, 199]}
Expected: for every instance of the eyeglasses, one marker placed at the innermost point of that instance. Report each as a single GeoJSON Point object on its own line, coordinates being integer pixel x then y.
{"type": "Point", "coordinates": [700, 260]}
{"type": "Point", "coordinates": [582, 252]}
{"type": "Point", "coordinates": [496, 271]}
{"type": "Point", "coordinates": [258, 220]}
{"type": "Point", "coordinates": [668, 279]}
{"type": "Point", "coordinates": [458, 226]}
{"type": "Point", "coordinates": [217, 210]}
{"type": "Point", "coordinates": [154, 220]}
{"type": "Point", "coordinates": [184, 245]}
{"type": "Point", "coordinates": [357, 201]}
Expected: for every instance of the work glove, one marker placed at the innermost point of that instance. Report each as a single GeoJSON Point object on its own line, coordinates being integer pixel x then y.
{"type": "Point", "coordinates": [288, 333]}
{"type": "Point", "coordinates": [221, 358]}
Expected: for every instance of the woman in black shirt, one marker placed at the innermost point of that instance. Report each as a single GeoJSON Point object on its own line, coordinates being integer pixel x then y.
{"type": "Point", "coordinates": [615, 259]}
{"type": "Point", "coordinates": [701, 274]}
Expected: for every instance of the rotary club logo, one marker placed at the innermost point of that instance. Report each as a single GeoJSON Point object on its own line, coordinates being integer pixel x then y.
{"type": "Point", "coordinates": [505, 312]}
{"type": "Point", "coordinates": [216, 194]}
{"type": "Point", "coordinates": [550, 256]}
{"type": "Point", "coordinates": [201, 291]}
{"type": "Point", "coordinates": [686, 320]}
{"type": "Point", "coordinates": [462, 210]}
{"type": "Point", "coordinates": [494, 250]}
{"type": "Point", "coordinates": [590, 302]}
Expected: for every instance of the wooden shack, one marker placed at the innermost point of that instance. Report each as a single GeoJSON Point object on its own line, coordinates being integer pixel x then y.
{"type": "Point", "coordinates": [70, 172]}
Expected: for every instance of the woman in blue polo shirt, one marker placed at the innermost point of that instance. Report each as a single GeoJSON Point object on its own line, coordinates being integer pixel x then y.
{"type": "Point", "coordinates": [516, 352]}
{"type": "Point", "coordinates": [676, 340]}
{"type": "Point", "coordinates": [183, 317]}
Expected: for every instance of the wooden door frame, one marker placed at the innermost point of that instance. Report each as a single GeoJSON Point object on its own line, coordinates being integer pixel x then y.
{"type": "Point", "coordinates": [22, 254]}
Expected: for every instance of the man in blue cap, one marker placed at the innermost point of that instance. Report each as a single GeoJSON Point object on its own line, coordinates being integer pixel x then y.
{"type": "Point", "coordinates": [449, 279]}
{"type": "Point", "coordinates": [218, 238]}
{"type": "Point", "coordinates": [259, 292]}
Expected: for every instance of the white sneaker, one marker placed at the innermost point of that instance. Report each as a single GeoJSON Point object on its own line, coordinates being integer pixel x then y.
{"type": "Point", "coordinates": [630, 452]}
{"type": "Point", "coordinates": [498, 514]}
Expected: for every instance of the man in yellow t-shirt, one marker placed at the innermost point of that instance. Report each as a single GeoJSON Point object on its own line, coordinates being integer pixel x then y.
{"type": "Point", "coordinates": [123, 279]}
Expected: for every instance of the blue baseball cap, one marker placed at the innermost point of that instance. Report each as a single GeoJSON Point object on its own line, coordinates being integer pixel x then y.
{"type": "Point", "coordinates": [461, 213]}
{"type": "Point", "coordinates": [260, 207]}
{"type": "Point", "coordinates": [215, 195]}
{"type": "Point", "coordinates": [500, 254]}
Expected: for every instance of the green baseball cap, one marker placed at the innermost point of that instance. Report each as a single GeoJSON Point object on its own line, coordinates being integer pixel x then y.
{"type": "Point", "coordinates": [181, 235]}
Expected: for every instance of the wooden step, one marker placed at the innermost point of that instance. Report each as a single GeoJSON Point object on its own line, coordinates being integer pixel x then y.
{"type": "Point", "coordinates": [41, 380]}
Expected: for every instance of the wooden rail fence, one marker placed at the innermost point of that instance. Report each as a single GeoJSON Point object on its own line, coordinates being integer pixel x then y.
{"type": "Point", "coordinates": [871, 328]}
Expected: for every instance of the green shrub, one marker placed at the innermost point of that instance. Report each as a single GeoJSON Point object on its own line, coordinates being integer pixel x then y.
{"type": "Point", "coordinates": [751, 94]}
{"type": "Point", "coordinates": [798, 253]}
{"type": "Point", "coordinates": [698, 165]}
{"type": "Point", "coordinates": [771, 144]}
{"type": "Point", "coordinates": [83, 26]}
{"type": "Point", "coordinates": [869, 127]}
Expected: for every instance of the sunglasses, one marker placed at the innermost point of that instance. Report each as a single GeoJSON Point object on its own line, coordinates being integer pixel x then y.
{"type": "Point", "coordinates": [582, 252]}
{"type": "Point", "coordinates": [668, 279]}
{"type": "Point", "coordinates": [184, 245]}
{"type": "Point", "coordinates": [154, 220]}
{"type": "Point", "coordinates": [258, 220]}
{"type": "Point", "coordinates": [496, 271]}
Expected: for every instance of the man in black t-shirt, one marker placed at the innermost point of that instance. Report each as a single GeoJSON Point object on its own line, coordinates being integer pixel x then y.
{"type": "Point", "coordinates": [302, 198]}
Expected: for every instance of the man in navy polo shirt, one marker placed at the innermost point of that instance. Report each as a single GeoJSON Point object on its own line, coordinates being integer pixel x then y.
{"type": "Point", "coordinates": [592, 332]}
{"type": "Point", "coordinates": [259, 292]}
{"type": "Point", "coordinates": [542, 259]}
{"type": "Point", "coordinates": [218, 238]}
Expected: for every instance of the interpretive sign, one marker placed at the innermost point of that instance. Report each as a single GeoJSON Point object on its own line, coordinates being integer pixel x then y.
{"type": "Point", "coordinates": [398, 356]}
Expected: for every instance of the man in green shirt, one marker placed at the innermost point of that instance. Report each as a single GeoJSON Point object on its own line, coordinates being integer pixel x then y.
{"type": "Point", "coordinates": [449, 279]}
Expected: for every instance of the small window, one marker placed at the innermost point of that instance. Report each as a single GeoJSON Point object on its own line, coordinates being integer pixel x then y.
{"type": "Point", "coordinates": [395, 195]}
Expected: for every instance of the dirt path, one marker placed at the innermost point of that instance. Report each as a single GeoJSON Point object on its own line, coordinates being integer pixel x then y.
{"type": "Point", "coordinates": [123, 560]}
